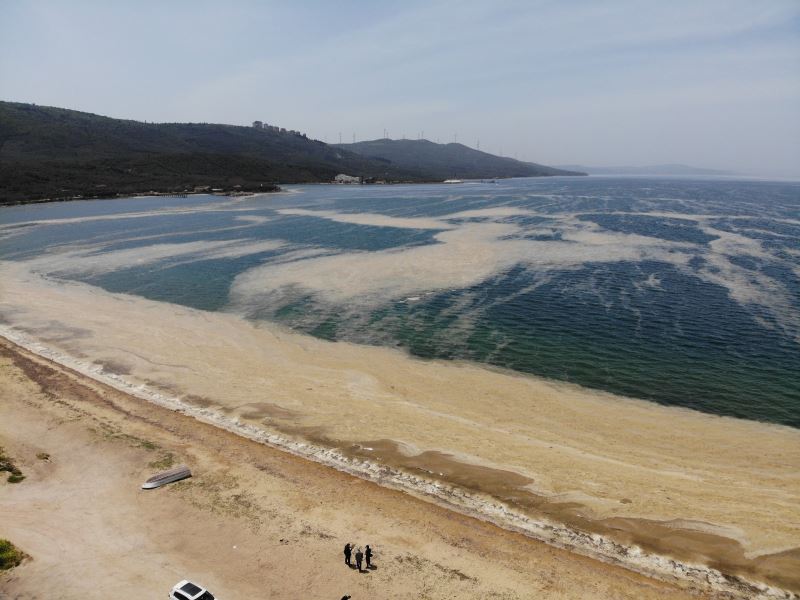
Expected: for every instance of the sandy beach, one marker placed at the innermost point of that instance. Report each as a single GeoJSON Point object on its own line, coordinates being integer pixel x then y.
{"type": "Point", "coordinates": [705, 502]}
{"type": "Point", "coordinates": [253, 522]}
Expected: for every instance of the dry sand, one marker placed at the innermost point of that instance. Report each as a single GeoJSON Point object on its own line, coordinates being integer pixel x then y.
{"type": "Point", "coordinates": [667, 491]}
{"type": "Point", "coordinates": [254, 522]}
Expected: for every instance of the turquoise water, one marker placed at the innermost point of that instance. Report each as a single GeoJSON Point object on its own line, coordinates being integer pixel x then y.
{"type": "Point", "coordinates": [682, 292]}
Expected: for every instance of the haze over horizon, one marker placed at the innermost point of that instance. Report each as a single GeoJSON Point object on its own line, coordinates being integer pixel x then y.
{"type": "Point", "coordinates": [714, 84]}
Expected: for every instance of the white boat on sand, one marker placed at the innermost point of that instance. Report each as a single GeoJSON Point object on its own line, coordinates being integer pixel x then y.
{"type": "Point", "coordinates": [165, 477]}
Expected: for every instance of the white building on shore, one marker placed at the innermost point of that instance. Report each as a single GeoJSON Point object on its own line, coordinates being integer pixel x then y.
{"type": "Point", "coordinates": [342, 178]}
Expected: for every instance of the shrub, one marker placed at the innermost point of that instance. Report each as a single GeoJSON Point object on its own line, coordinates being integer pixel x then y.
{"type": "Point", "coordinates": [10, 555]}
{"type": "Point", "coordinates": [6, 464]}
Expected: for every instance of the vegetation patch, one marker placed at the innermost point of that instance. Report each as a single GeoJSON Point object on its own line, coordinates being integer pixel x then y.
{"type": "Point", "coordinates": [165, 461]}
{"type": "Point", "coordinates": [223, 495]}
{"type": "Point", "coordinates": [113, 433]}
{"type": "Point", "coordinates": [147, 445]}
{"type": "Point", "coordinates": [8, 466]}
{"type": "Point", "coordinates": [10, 555]}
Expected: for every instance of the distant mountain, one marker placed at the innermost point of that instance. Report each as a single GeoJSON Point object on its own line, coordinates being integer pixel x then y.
{"type": "Point", "coordinates": [666, 170]}
{"type": "Point", "coordinates": [444, 161]}
{"type": "Point", "coordinates": [50, 152]}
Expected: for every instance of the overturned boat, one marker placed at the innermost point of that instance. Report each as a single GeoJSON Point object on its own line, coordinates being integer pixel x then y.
{"type": "Point", "coordinates": [165, 477]}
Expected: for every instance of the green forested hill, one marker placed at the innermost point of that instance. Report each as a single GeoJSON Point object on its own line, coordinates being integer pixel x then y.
{"type": "Point", "coordinates": [48, 152]}
{"type": "Point", "coordinates": [442, 161]}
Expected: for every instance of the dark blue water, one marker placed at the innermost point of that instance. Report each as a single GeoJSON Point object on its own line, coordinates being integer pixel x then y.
{"type": "Point", "coordinates": [682, 292]}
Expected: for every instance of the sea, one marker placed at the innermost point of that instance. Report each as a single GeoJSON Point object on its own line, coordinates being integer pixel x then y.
{"type": "Point", "coordinates": [681, 292]}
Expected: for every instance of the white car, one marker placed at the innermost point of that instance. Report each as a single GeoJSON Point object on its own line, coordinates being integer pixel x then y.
{"type": "Point", "coordinates": [186, 590]}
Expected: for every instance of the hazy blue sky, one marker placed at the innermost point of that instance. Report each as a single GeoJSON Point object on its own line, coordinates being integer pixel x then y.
{"type": "Point", "coordinates": [710, 83]}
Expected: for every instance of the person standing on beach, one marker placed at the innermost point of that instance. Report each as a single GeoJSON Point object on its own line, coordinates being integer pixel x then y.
{"type": "Point", "coordinates": [359, 558]}
{"type": "Point", "coordinates": [348, 549]}
{"type": "Point", "coordinates": [368, 556]}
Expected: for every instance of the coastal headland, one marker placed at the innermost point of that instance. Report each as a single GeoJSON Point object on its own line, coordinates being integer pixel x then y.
{"type": "Point", "coordinates": [697, 500]}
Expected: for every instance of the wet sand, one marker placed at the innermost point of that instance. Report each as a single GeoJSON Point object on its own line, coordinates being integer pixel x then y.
{"type": "Point", "coordinates": [665, 491]}
{"type": "Point", "coordinates": [253, 521]}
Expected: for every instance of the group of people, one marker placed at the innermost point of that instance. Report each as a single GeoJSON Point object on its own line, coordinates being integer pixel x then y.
{"type": "Point", "coordinates": [359, 556]}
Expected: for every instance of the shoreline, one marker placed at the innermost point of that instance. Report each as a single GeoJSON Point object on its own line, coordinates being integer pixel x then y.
{"type": "Point", "coordinates": [153, 194]}
{"type": "Point", "coordinates": [147, 194]}
{"type": "Point", "coordinates": [150, 194]}
{"type": "Point", "coordinates": [248, 512]}
{"type": "Point", "coordinates": [453, 497]}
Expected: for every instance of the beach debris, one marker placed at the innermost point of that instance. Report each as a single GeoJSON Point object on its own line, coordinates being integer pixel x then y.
{"type": "Point", "coordinates": [165, 477]}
